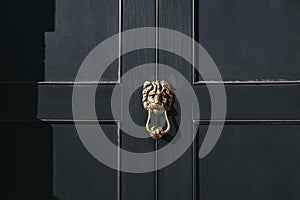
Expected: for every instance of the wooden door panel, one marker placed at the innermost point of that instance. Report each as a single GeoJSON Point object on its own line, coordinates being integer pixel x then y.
{"type": "Point", "coordinates": [251, 40]}
{"type": "Point", "coordinates": [79, 27]}
{"type": "Point", "coordinates": [77, 174]}
{"type": "Point", "coordinates": [135, 14]}
{"type": "Point", "coordinates": [175, 182]}
{"type": "Point", "coordinates": [251, 162]}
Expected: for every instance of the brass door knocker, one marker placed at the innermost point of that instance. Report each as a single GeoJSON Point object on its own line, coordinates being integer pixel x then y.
{"type": "Point", "coordinates": [157, 99]}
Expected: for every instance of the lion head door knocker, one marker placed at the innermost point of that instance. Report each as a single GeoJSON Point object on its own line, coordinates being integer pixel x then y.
{"type": "Point", "coordinates": [157, 99]}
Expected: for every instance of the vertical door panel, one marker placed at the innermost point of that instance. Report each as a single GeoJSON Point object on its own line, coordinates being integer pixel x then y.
{"type": "Point", "coordinates": [175, 182]}
{"type": "Point", "coordinates": [135, 14]}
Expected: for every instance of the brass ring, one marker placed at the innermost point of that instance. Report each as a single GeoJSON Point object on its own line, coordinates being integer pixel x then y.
{"type": "Point", "coordinates": [157, 132]}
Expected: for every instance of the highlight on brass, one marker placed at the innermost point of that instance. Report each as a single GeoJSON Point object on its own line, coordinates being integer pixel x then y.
{"type": "Point", "coordinates": [157, 99]}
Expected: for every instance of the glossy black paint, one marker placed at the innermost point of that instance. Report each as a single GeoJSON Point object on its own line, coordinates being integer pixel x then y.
{"type": "Point", "coordinates": [257, 154]}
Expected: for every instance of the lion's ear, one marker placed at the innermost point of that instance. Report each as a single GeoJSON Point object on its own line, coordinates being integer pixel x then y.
{"type": "Point", "coordinates": [146, 84]}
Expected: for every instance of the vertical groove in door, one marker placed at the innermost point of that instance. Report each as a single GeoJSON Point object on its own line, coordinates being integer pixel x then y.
{"type": "Point", "coordinates": [120, 41]}
{"type": "Point", "coordinates": [193, 42]}
{"type": "Point", "coordinates": [119, 181]}
{"type": "Point", "coordinates": [119, 197]}
{"type": "Point", "coordinates": [156, 37]}
{"type": "Point", "coordinates": [156, 170]}
{"type": "Point", "coordinates": [194, 164]}
{"type": "Point", "coordinates": [156, 77]}
{"type": "Point", "coordinates": [194, 148]}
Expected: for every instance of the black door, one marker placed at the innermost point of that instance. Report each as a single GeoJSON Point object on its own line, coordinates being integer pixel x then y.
{"type": "Point", "coordinates": [256, 46]}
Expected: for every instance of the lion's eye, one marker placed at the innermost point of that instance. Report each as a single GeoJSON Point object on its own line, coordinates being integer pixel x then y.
{"type": "Point", "coordinates": [151, 94]}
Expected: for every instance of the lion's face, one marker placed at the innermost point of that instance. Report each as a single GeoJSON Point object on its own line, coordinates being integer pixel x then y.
{"type": "Point", "coordinates": [157, 96]}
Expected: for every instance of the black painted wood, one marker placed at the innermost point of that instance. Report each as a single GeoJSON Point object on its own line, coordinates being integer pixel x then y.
{"type": "Point", "coordinates": [251, 39]}
{"type": "Point", "coordinates": [251, 162]}
{"type": "Point", "coordinates": [267, 102]}
{"type": "Point", "coordinates": [27, 150]}
{"type": "Point", "coordinates": [17, 103]}
{"type": "Point", "coordinates": [77, 174]}
{"type": "Point", "coordinates": [23, 45]}
{"type": "Point", "coordinates": [55, 101]}
{"type": "Point", "coordinates": [79, 27]}
{"type": "Point", "coordinates": [28, 156]}
{"type": "Point", "coordinates": [176, 181]}
{"type": "Point", "coordinates": [135, 14]}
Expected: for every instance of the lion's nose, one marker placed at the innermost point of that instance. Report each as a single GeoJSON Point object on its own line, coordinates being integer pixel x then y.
{"type": "Point", "coordinates": [157, 99]}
